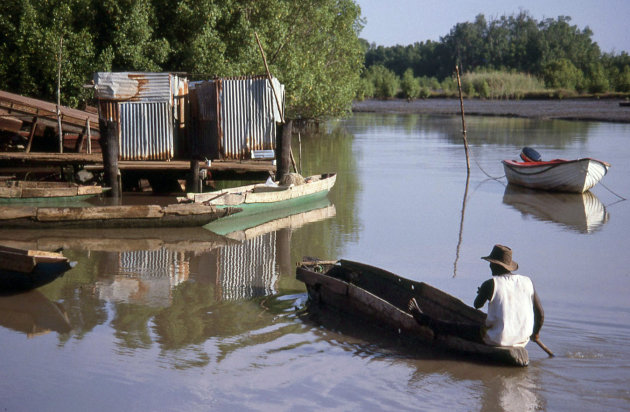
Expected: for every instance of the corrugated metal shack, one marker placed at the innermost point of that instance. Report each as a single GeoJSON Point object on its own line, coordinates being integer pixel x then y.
{"type": "Point", "coordinates": [232, 118]}
{"type": "Point", "coordinates": [150, 109]}
{"type": "Point", "coordinates": [162, 116]}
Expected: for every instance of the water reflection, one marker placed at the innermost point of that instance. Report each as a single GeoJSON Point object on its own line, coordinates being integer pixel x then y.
{"type": "Point", "coordinates": [33, 314]}
{"type": "Point", "coordinates": [176, 287]}
{"type": "Point", "coordinates": [501, 388]}
{"type": "Point", "coordinates": [579, 212]}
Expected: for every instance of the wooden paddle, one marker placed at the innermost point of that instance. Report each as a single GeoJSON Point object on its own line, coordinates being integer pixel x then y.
{"type": "Point", "coordinates": [545, 348]}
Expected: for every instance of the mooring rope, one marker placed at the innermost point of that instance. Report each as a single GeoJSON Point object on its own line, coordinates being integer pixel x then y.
{"type": "Point", "coordinates": [607, 188]}
{"type": "Point", "coordinates": [484, 172]}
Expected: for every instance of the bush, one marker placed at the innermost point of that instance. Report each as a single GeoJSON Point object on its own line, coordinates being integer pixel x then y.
{"type": "Point", "coordinates": [598, 79]}
{"type": "Point", "coordinates": [365, 89]}
{"type": "Point", "coordinates": [562, 74]}
{"type": "Point", "coordinates": [409, 85]}
{"type": "Point", "coordinates": [623, 80]}
{"type": "Point", "coordinates": [384, 80]}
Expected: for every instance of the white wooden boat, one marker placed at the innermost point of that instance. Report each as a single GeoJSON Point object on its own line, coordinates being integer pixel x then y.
{"type": "Point", "coordinates": [556, 175]}
{"type": "Point", "coordinates": [262, 195]}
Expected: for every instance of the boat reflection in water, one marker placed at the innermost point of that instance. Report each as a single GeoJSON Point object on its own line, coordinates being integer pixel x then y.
{"type": "Point", "coordinates": [580, 212]}
{"type": "Point", "coordinates": [33, 314]}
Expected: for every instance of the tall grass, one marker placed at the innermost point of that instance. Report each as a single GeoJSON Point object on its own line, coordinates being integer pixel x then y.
{"type": "Point", "coordinates": [500, 85]}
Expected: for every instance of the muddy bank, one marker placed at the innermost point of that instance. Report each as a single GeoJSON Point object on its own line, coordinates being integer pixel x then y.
{"type": "Point", "coordinates": [607, 110]}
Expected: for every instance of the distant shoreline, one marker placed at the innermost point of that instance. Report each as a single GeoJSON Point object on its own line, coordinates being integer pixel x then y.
{"type": "Point", "coordinates": [603, 110]}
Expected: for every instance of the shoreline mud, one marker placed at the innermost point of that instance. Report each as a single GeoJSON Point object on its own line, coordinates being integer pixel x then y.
{"type": "Point", "coordinates": [604, 110]}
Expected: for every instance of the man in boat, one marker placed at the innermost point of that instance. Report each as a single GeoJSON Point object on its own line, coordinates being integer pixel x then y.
{"type": "Point", "coordinates": [515, 313]}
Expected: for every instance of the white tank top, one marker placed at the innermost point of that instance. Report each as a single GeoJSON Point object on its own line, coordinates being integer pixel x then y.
{"type": "Point", "coordinates": [510, 320]}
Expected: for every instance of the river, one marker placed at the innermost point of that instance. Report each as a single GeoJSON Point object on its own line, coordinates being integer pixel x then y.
{"type": "Point", "coordinates": [187, 320]}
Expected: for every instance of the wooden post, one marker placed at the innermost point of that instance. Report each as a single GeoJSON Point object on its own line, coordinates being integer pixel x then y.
{"type": "Point", "coordinates": [283, 149]}
{"type": "Point", "coordinates": [89, 136]}
{"type": "Point", "coordinates": [194, 184]}
{"type": "Point", "coordinates": [59, 97]}
{"type": "Point", "coordinates": [262, 52]}
{"type": "Point", "coordinates": [109, 141]}
{"type": "Point", "coordinates": [461, 103]}
{"type": "Point", "coordinates": [31, 135]}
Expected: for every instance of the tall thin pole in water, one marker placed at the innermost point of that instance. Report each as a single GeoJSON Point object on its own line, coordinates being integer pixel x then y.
{"type": "Point", "coordinates": [461, 104]}
{"type": "Point", "coordinates": [59, 95]}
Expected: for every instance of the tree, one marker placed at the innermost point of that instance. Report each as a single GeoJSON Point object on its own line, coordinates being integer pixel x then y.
{"type": "Point", "coordinates": [312, 47]}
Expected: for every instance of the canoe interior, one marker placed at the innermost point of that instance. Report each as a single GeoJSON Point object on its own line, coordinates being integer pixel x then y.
{"type": "Point", "coordinates": [382, 296]}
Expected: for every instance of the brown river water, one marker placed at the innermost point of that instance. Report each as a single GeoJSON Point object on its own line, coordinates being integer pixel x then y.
{"type": "Point", "coordinates": [184, 319]}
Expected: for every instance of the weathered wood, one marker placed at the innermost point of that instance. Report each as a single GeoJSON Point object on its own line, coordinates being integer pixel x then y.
{"type": "Point", "coordinates": [57, 214]}
{"type": "Point", "coordinates": [383, 297]}
{"type": "Point", "coordinates": [10, 213]}
{"type": "Point", "coordinates": [17, 262]}
{"type": "Point", "coordinates": [109, 143]}
{"type": "Point", "coordinates": [31, 135]}
{"type": "Point", "coordinates": [29, 192]}
{"type": "Point", "coordinates": [10, 192]}
{"type": "Point", "coordinates": [283, 149]}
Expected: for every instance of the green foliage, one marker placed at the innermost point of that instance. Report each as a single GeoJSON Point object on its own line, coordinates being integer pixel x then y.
{"type": "Point", "coordinates": [384, 80]}
{"type": "Point", "coordinates": [623, 80]}
{"type": "Point", "coordinates": [562, 74]}
{"type": "Point", "coordinates": [597, 80]}
{"type": "Point", "coordinates": [409, 85]}
{"type": "Point", "coordinates": [508, 43]}
{"type": "Point", "coordinates": [365, 89]}
{"type": "Point", "coordinates": [499, 84]}
{"type": "Point", "coordinates": [311, 47]}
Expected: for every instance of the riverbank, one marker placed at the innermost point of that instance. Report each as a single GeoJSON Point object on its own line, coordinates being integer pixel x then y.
{"type": "Point", "coordinates": [604, 110]}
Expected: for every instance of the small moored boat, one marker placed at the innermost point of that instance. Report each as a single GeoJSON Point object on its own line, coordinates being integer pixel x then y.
{"type": "Point", "coordinates": [558, 175]}
{"type": "Point", "coordinates": [22, 269]}
{"type": "Point", "coordinates": [366, 291]}
{"type": "Point", "coordinates": [266, 195]}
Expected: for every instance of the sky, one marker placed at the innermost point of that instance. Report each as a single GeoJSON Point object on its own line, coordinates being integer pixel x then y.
{"type": "Point", "coordinates": [404, 22]}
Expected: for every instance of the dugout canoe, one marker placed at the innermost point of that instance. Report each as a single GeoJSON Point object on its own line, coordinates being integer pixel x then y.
{"type": "Point", "coordinates": [557, 175]}
{"type": "Point", "coordinates": [377, 295]}
{"type": "Point", "coordinates": [131, 216]}
{"type": "Point", "coordinates": [23, 269]}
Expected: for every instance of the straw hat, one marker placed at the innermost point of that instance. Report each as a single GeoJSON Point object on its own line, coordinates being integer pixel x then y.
{"type": "Point", "coordinates": [502, 255]}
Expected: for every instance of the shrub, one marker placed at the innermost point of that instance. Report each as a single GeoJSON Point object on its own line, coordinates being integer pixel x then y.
{"type": "Point", "coordinates": [562, 74]}
{"type": "Point", "coordinates": [409, 85]}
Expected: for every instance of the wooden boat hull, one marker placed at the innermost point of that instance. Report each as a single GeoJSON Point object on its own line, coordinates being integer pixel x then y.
{"type": "Point", "coordinates": [29, 269]}
{"type": "Point", "coordinates": [575, 176]}
{"type": "Point", "coordinates": [26, 191]}
{"type": "Point", "coordinates": [136, 216]}
{"type": "Point", "coordinates": [261, 196]}
{"type": "Point", "coordinates": [370, 292]}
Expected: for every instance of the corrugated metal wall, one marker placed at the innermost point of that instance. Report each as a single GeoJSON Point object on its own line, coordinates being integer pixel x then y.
{"type": "Point", "coordinates": [150, 110]}
{"type": "Point", "coordinates": [245, 111]}
{"type": "Point", "coordinates": [146, 131]}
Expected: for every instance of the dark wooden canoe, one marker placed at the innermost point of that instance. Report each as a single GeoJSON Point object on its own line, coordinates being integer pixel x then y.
{"type": "Point", "coordinates": [22, 269]}
{"type": "Point", "coordinates": [367, 291]}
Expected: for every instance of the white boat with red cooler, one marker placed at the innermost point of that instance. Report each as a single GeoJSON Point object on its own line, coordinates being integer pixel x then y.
{"type": "Point", "coordinates": [556, 175]}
